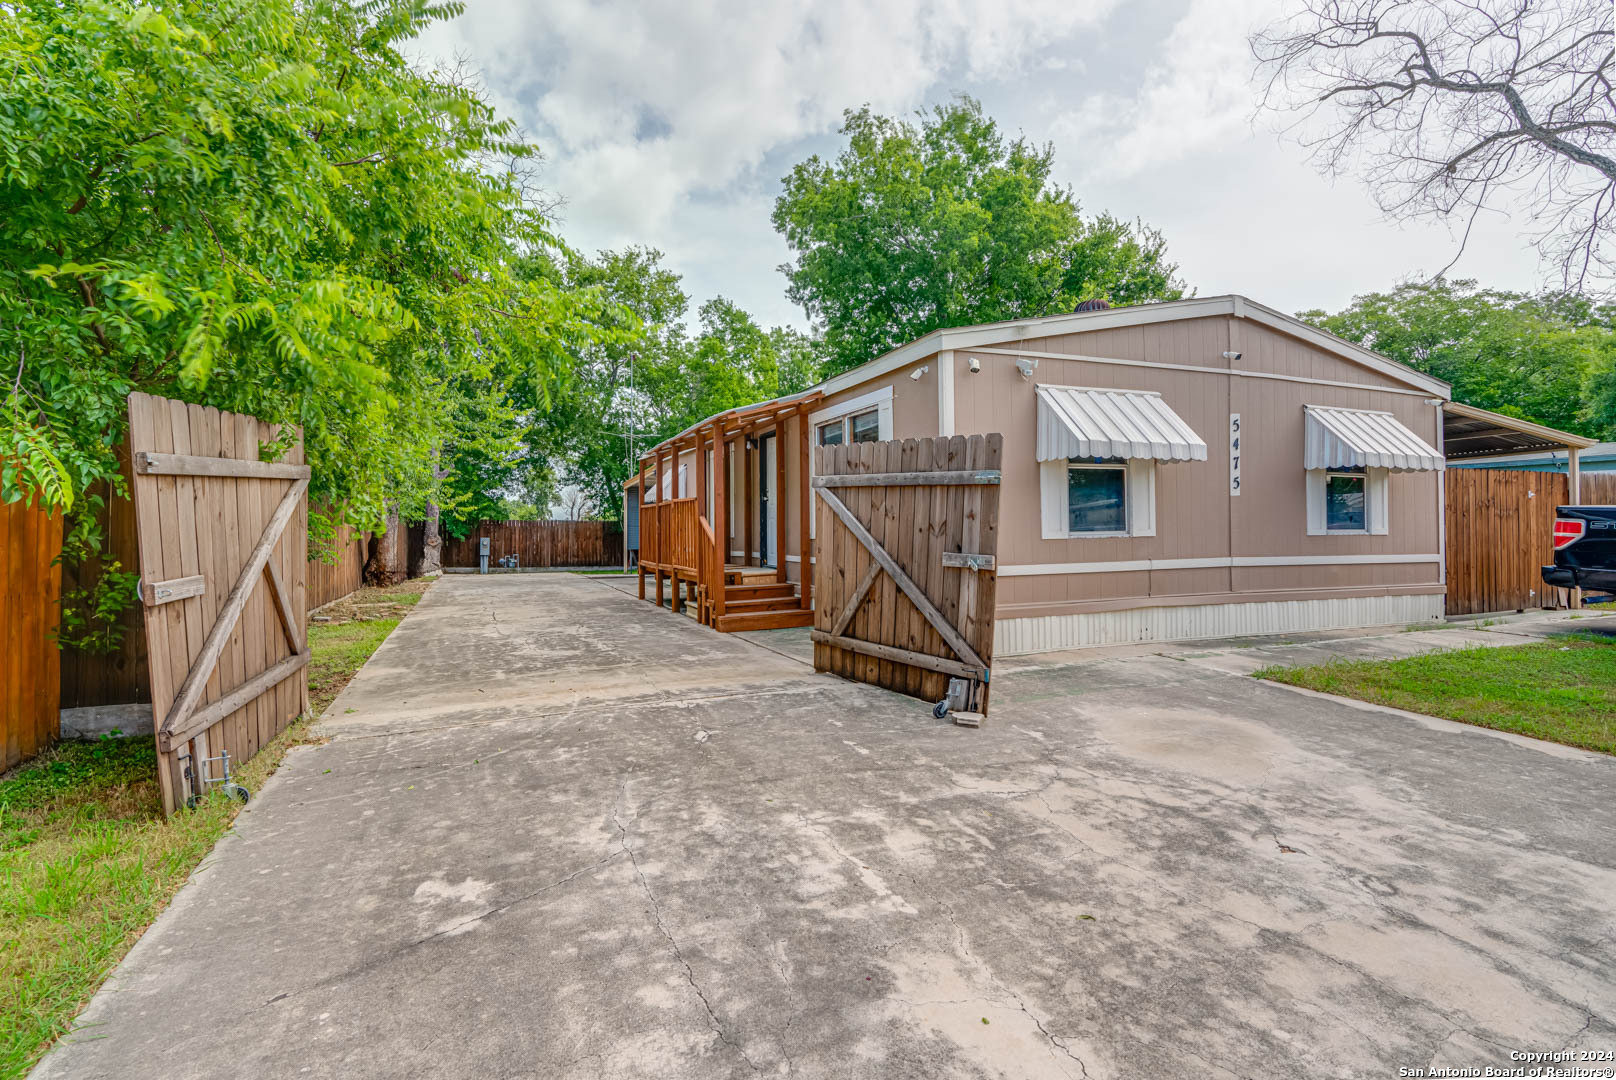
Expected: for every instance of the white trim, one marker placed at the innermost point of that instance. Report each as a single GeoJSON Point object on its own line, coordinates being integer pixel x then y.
{"type": "Point", "coordinates": [798, 558]}
{"type": "Point", "coordinates": [974, 337]}
{"type": "Point", "coordinates": [1121, 566]}
{"type": "Point", "coordinates": [1054, 498]}
{"type": "Point", "coordinates": [880, 397]}
{"type": "Point", "coordinates": [945, 392]}
{"type": "Point", "coordinates": [1020, 637]}
{"type": "Point", "coordinates": [1201, 369]}
{"type": "Point", "coordinates": [1377, 502]}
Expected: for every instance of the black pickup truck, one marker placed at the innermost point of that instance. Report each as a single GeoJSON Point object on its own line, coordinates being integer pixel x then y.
{"type": "Point", "coordinates": [1584, 548]}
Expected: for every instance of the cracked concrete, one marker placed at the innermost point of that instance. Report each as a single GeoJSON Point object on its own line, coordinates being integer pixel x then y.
{"type": "Point", "coordinates": [559, 833]}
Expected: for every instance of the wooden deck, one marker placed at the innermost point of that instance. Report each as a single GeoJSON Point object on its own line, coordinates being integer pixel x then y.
{"type": "Point", "coordinates": [683, 535]}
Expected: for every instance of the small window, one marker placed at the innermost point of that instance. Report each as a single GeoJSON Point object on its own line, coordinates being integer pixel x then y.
{"type": "Point", "coordinates": [830, 434]}
{"type": "Point", "coordinates": [866, 426]}
{"type": "Point", "coordinates": [1097, 498]}
{"type": "Point", "coordinates": [1344, 501]}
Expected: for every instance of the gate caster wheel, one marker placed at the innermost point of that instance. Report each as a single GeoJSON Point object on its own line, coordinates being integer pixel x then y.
{"type": "Point", "coordinates": [940, 710]}
{"type": "Point", "coordinates": [236, 792]}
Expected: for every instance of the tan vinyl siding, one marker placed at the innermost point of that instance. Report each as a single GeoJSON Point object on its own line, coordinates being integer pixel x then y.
{"type": "Point", "coordinates": [914, 416]}
{"type": "Point", "coordinates": [1195, 515]}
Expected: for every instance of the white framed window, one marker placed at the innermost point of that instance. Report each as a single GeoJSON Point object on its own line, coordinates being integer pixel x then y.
{"type": "Point", "coordinates": [859, 427]}
{"type": "Point", "coordinates": [832, 423]}
{"type": "Point", "coordinates": [1097, 498]}
{"type": "Point", "coordinates": [1088, 499]}
{"type": "Point", "coordinates": [864, 426]}
{"type": "Point", "coordinates": [1347, 502]}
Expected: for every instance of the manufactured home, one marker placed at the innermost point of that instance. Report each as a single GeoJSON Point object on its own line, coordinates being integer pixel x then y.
{"type": "Point", "coordinates": [1178, 470]}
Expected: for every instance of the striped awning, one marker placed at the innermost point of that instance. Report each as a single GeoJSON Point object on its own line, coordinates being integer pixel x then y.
{"type": "Point", "coordinates": [1078, 422]}
{"type": "Point", "coordinates": [1361, 439]}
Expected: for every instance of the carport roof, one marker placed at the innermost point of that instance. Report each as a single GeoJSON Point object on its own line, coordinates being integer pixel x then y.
{"type": "Point", "coordinates": [1469, 432]}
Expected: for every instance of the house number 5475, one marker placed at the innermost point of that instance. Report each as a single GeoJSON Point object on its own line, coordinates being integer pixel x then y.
{"type": "Point", "coordinates": [1234, 453]}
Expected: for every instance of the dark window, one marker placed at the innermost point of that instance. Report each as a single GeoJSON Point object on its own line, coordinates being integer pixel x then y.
{"type": "Point", "coordinates": [866, 426]}
{"type": "Point", "coordinates": [830, 434]}
{"type": "Point", "coordinates": [1097, 499]}
{"type": "Point", "coordinates": [1344, 502]}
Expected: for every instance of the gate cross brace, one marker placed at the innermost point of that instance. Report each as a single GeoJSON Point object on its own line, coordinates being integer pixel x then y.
{"type": "Point", "coordinates": [180, 724]}
{"type": "Point", "coordinates": [923, 605]}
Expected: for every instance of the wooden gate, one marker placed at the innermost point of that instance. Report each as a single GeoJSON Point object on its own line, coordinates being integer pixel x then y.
{"type": "Point", "coordinates": [1500, 535]}
{"type": "Point", "coordinates": [906, 550]}
{"type": "Point", "coordinates": [223, 539]}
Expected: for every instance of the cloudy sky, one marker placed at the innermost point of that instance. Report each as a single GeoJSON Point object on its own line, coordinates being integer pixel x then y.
{"type": "Point", "coordinates": [670, 125]}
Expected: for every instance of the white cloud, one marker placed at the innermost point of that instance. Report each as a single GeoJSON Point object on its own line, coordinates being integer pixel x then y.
{"type": "Point", "coordinates": [670, 125]}
{"type": "Point", "coordinates": [1195, 93]}
{"type": "Point", "coordinates": [640, 107]}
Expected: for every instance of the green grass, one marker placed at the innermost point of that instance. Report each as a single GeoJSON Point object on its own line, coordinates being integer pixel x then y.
{"type": "Point", "coordinates": [337, 652]}
{"type": "Point", "coordinates": [87, 860]}
{"type": "Point", "coordinates": [1563, 690]}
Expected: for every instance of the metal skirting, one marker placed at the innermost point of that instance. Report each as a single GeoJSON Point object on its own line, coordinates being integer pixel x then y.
{"type": "Point", "coordinates": [1020, 637]}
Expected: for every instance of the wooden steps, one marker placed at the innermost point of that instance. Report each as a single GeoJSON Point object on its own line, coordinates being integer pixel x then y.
{"type": "Point", "coordinates": [762, 603]}
{"type": "Point", "coordinates": [758, 592]}
{"type": "Point", "coordinates": [764, 620]}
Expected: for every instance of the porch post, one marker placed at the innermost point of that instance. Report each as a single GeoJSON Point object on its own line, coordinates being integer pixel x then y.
{"type": "Point", "coordinates": [641, 561]}
{"type": "Point", "coordinates": [780, 501]}
{"type": "Point", "coordinates": [746, 498]}
{"type": "Point", "coordinates": [700, 465]}
{"type": "Point", "coordinates": [662, 523]}
{"type": "Point", "coordinates": [1574, 475]}
{"type": "Point", "coordinates": [720, 516]}
{"type": "Point", "coordinates": [805, 501]}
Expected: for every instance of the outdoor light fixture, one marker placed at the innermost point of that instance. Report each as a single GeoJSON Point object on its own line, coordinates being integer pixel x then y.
{"type": "Point", "coordinates": [1026, 365]}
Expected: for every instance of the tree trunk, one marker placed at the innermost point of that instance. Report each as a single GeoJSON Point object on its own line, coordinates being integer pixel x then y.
{"type": "Point", "coordinates": [432, 548]}
{"type": "Point", "coordinates": [389, 553]}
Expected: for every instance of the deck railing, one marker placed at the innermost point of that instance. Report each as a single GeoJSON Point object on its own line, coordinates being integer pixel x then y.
{"type": "Point", "coordinates": [668, 532]}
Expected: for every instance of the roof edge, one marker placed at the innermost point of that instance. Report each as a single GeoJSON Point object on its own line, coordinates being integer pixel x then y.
{"type": "Point", "coordinates": [1231, 304]}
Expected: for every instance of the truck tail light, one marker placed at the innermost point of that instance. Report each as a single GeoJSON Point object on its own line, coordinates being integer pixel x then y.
{"type": "Point", "coordinates": [1567, 530]}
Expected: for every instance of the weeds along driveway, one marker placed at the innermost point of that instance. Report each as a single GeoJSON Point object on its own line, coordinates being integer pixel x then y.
{"type": "Point", "coordinates": [559, 833]}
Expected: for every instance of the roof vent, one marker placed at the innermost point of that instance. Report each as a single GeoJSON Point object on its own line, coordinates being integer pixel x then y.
{"type": "Point", "coordinates": [1091, 305]}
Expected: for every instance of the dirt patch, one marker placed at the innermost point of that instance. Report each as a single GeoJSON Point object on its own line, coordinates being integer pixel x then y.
{"type": "Point", "coordinates": [368, 604]}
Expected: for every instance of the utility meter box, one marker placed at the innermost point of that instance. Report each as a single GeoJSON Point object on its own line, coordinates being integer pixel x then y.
{"type": "Point", "coordinates": [482, 554]}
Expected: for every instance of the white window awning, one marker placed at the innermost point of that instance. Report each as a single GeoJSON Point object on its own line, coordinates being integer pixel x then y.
{"type": "Point", "coordinates": [1081, 422]}
{"type": "Point", "coordinates": [1362, 439]}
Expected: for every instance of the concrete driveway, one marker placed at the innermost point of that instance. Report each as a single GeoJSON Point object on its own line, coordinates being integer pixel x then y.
{"type": "Point", "coordinates": [559, 833]}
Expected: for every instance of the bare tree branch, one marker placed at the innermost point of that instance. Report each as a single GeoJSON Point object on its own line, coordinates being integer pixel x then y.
{"type": "Point", "coordinates": [1451, 108]}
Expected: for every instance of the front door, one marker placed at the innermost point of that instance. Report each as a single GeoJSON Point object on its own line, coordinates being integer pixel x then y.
{"type": "Point", "coordinates": [767, 448]}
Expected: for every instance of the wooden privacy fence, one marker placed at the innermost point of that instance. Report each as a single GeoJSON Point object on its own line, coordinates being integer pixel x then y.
{"type": "Point", "coordinates": [1501, 533]}
{"type": "Point", "coordinates": [540, 543]}
{"type": "Point", "coordinates": [328, 581]}
{"type": "Point", "coordinates": [222, 540]}
{"type": "Point", "coordinates": [907, 545]}
{"type": "Point", "coordinates": [30, 596]}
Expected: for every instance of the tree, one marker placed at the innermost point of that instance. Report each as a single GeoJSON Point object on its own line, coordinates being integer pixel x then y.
{"type": "Point", "coordinates": [943, 222]}
{"type": "Point", "coordinates": [1448, 109]}
{"type": "Point", "coordinates": [653, 379]}
{"type": "Point", "coordinates": [262, 206]}
{"type": "Point", "coordinates": [1521, 355]}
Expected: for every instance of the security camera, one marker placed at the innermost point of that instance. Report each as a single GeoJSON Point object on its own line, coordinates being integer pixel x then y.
{"type": "Point", "coordinates": [1026, 366]}
{"type": "Point", "coordinates": [974, 364]}
{"type": "Point", "coordinates": [1231, 356]}
{"type": "Point", "coordinates": [919, 371]}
